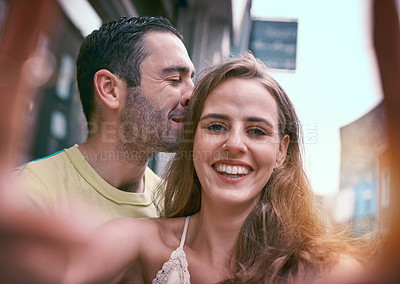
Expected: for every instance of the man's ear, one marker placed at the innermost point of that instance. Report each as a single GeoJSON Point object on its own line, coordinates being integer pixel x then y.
{"type": "Point", "coordinates": [108, 88]}
{"type": "Point", "coordinates": [283, 146]}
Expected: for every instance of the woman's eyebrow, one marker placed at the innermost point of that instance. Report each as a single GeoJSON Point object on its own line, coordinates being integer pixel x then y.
{"type": "Point", "coordinates": [214, 115]}
{"type": "Point", "coordinates": [249, 118]}
{"type": "Point", "coordinates": [259, 119]}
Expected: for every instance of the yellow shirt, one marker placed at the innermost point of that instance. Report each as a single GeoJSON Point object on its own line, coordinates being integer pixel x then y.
{"type": "Point", "coordinates": [65, 179]}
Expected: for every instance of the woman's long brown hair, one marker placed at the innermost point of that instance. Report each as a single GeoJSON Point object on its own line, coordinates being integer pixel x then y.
{"type": "Point", "coordinates": [287, 235]}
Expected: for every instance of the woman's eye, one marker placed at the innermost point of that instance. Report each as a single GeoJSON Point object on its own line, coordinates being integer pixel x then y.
{"type": "Point", "coordinates": [215, 127]}
{"type": "Point", "coordinates": [257, 132]}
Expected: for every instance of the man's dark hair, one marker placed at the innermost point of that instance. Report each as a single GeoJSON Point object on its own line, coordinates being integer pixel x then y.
{"type": "Point", "coordinates": [117, 46]}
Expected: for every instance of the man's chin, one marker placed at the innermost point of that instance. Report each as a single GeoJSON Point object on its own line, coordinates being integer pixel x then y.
{"type": "Point", "coordinates": [171, 146]}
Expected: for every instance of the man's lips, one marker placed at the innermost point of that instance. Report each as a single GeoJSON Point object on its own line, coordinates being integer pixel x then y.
{"type": "Point", "coordinates": [177, 115]}
{"type": "Point", "coordinates": [178, 119]}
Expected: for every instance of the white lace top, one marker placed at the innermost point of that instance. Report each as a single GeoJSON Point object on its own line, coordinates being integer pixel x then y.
{"type": "Point", "coordinates": [175, 270]}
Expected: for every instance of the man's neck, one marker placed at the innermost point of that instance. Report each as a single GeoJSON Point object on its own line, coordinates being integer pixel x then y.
{"type": "Point", "coordinates": [113, 166]}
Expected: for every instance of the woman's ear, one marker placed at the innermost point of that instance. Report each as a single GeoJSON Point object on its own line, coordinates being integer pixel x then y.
{"type": "Point", "coordinates": [108, 88]}
{"type": "Point", "coordinates": [283, 146]}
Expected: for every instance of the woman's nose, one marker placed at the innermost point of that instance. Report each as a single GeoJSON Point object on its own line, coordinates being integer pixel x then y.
{"type": "Point", "coordinates": [235, 143]}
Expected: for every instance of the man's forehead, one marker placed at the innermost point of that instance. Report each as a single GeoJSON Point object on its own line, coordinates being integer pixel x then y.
{"type": "Point", "coordinates": [154, 39]}
{"type": "Point", "coordinates": [168, 51]}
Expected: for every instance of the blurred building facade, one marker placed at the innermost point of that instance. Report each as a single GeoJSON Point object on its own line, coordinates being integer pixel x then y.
{"type": "Point", "coordinates": [364, 174]}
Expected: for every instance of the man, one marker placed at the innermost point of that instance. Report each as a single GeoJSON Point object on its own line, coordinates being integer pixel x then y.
{"type": "Point", "coordinates": [135, 80]}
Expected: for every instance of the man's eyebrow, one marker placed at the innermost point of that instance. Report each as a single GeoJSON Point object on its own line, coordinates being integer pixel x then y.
{"type": "Point", "coordinates": [176, 68]}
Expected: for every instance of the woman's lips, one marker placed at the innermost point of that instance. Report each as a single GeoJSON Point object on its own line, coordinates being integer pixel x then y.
{"type": "Point", "coordinates": [232, 169]}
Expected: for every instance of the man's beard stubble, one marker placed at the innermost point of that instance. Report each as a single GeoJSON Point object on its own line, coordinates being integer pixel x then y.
{"type": "Point", "coordinates": [145, 128]}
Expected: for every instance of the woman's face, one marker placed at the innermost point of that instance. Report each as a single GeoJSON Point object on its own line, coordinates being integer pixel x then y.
{"type": "Point", "coordinates": [237, 142]}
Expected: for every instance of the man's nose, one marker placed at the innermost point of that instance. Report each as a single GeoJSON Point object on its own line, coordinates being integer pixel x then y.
{"type": "Point", "coordinates": [187, 94]}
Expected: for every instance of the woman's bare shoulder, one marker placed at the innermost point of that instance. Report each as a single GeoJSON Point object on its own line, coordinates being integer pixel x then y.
{"type": "Point", "coordinates": [146, 228]}
{"type": "Point", "coordinates": [346, 269]}
{"type": "Point", "coordinates": [170, 229]}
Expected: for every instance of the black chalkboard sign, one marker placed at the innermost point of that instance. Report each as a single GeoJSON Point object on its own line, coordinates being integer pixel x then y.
{"type": "Point", "coordinates": [275, 43]}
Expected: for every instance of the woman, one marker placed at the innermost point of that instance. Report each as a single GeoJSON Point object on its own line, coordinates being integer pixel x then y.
{"type": "Point", "coordinates": [239, 176]}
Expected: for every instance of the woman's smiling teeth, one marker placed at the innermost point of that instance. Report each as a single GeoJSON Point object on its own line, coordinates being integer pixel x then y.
{"type": "Point", "coordinates": [232, 170]}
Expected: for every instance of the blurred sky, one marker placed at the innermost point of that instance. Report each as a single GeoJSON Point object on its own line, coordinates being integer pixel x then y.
{"type": "Point", "coordinates": [336, 81]}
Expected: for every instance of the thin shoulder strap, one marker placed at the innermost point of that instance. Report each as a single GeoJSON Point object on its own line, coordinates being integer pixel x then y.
{"type": "Point", "coordinates": [184, 232]}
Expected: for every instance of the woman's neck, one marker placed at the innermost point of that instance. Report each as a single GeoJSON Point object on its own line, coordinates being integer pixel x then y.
{"type": "Point", "coordinates": [214, 233]}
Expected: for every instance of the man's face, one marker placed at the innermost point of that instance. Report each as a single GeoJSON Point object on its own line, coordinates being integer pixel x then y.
{"type": "Point", "coordinates": [154, 111]}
